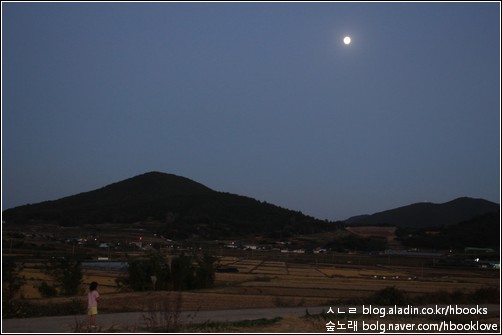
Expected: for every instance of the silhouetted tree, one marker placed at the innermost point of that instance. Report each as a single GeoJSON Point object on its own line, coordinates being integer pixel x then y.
{"type": "Point", "coordinates": [204, 275]}
{"type": "Point", "coordinates": [46, 290]}
{"type": "Point", "coordinates": [181, 273]}
{"type": "Point", "coordinates": [12, 281]}
{"type": "Point", "coordinates": [67, 273]}
{"type": "Point", "coordinates": [139, 275]}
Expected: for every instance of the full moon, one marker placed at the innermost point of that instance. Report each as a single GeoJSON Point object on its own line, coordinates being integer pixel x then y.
{"type": "Point", "coordinates": [346, 40]}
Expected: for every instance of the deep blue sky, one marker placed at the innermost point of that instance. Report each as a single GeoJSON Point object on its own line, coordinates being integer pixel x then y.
{"type": "Point", "coordinates": [258, 99]}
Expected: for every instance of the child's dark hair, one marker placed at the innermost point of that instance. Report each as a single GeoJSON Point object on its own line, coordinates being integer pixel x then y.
{"type": "Point", "coordinates": [93, 286]}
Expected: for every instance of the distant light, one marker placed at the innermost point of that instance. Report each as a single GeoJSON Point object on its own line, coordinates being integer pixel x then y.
{"type": "Point", "coordinates": [346, 40]}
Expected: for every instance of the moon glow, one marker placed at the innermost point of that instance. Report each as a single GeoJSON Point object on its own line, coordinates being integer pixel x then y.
{"type": "Point", "coordinates": [346, 40]}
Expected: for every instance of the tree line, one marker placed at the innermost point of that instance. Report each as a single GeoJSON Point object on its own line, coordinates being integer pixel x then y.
{"type": "Point", "coordinates": [178, 273]}
{"type": "Point", "coordinates": [154, 272]}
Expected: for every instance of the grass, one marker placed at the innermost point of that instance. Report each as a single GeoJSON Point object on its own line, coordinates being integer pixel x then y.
{"type": "Point", "coordinates": [265, 279]}
{"type": "Point", "coordinates": [210, 326]}
{"type": "Point", "coordinates": [164, 316]}
{"type": "Point", "coordinates": [288, 302]}
{"type": "Point", "coordinates": [23, 308]}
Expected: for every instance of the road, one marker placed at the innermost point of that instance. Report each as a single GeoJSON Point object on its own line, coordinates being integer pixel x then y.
{"type": "Point", "coordinates": [68, 324]}
{"type": "Point", "coordinates": [129, 322]}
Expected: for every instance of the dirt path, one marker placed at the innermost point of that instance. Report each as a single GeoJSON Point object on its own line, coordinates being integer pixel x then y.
{"type": "Point", "coordinates": [135, 320]}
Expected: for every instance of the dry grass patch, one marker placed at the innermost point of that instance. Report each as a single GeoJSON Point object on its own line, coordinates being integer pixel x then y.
{"type": "Point", "coordinates": [362, 272]}
{"type": "Point", "coordinates": [305, 272]}
{"type": "Point", "coordinates": [232, 278]}
{"type": "Point", "coordinates": [275, 282]}
{"type": "Point", "coordinates": [270, 270]}
{"type": "Point", "coordinates": [275, 264]}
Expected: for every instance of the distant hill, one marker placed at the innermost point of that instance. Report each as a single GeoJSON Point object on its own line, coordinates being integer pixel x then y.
{"type": "Point", "coordinates": [428, 215]}
{"type": "Point", "coordinates": [480, 232]}
{"type": "Point", "coordinates": [355, 219]}
{"type": "Point", "coordinates": [188, 208]}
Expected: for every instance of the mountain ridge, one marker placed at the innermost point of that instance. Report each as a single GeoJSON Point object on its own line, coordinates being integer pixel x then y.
{"type": "Point", "coordinates": [427, 214]}
{"type": "Point", "coordinates": [186, 206]}
{"type": "Point", "coordinates": [186, 203]}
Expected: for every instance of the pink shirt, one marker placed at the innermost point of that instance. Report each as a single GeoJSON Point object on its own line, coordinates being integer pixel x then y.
{"type": "Point", "coordinates": [92, 298]}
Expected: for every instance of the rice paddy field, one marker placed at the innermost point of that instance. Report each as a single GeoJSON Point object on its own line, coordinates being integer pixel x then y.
{"type": "Point", "coordinates": [262, 283]}
{"type": "Point", "coordinates": [260, 279]}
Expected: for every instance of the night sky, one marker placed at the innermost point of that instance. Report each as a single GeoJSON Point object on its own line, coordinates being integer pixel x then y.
{"type": "Point", "coordinates": [257, 99]}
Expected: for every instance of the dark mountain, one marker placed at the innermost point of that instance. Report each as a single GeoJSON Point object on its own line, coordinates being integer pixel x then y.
{"type": "Point", "coordinates": [429, 215]}
{"type": "Point", "coordinates": [187, 207]}
{"type": "Point", "coordinates": [482, 231]}
{"type": "Point", "coordinates": [355, 219]}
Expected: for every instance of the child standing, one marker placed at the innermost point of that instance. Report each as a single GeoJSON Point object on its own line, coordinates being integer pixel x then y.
{"type": "Point", "coordinates": [92, 303]}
